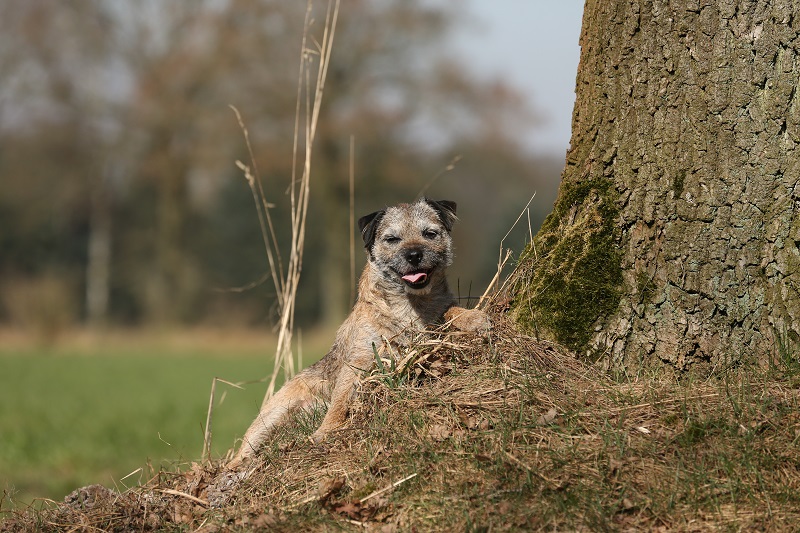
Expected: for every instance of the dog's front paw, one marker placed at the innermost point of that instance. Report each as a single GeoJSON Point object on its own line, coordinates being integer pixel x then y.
{"type": "Point", "coordinates": [236, 463]}
{"type": "Point", "coordinates": [471, 320]}
{"type": "Point", "coordinates": [318, 437]}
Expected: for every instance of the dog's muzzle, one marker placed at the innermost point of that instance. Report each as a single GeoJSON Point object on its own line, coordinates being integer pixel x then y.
{"type": "Point", "coordinates": [416, 277]}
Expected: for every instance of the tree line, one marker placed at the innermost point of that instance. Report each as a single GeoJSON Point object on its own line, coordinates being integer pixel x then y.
{"type": "Point", "coordinates": [120, 198]}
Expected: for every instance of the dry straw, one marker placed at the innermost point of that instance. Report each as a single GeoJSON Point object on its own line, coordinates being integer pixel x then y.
{"type": "Point", "coordinates": [286, 281]}
{"type": "Point", "coordinates": [309, 103]}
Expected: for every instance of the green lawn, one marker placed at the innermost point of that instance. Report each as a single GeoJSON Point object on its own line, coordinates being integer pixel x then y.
{"type": "Point", "coordinates": [72, 417]}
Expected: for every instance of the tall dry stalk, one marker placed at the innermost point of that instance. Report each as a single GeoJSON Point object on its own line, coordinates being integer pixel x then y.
{"type": "Point", "coordinates": [309, 102]}
{"type": "Point", "coordinates": [505, 255]}
{"type": "Point", "coordinates": [308, 108]}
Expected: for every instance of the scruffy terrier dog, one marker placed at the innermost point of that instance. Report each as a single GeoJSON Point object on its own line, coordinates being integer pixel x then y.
{"type": "Point", "coordinates": [402, 291]}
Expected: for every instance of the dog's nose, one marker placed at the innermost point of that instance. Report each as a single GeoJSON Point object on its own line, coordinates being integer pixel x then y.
{"type": "Point", "coordinates": [414, 256]}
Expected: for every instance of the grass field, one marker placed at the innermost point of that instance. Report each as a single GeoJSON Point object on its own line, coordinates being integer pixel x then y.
{"type": "Point", "coordinates": [93, 411]}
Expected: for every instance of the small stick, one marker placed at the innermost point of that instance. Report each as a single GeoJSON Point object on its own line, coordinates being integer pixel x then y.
{"type": "Point", "coordinates": [496, 277]}
{"type": "Point", "coordinates": [207, 436]}
{"type": "Point", "coordinates": [450, 166]}
{"type": "Point", "coordinates": [305, 501]}
{"type": "Point", "coordinates": [528, 468]}
{"type": "Point", "coordinates": [387, 488]}
{"type": "Point", "coordinates": [501, 262]}
{"type": "Point", "coordinates": [137, 471]}
{"type": "Point", "coordinates": [184, 495]}
{"type": "Point", "coordinates": [660, 402]}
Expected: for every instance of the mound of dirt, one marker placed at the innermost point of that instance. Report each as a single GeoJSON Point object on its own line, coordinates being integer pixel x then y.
{"type": "Point", "coordinates": [500, 433]}
{"type": "Point", "coordinates": [453, 388]}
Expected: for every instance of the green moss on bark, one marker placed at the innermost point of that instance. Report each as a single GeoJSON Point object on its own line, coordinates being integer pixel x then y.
{"type": "Point", "coordinates": [573, 275]}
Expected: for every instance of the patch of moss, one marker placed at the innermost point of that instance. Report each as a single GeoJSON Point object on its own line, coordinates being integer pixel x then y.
{"type": "Point", "coordinates": [574, 277]}
{"type": "Point", "coordinates": [677, 182]}
{"type": "Point", "coordinates": [645, 286]}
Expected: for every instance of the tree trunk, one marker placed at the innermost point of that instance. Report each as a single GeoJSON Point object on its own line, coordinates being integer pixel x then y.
{"type": "Point", "coordinates": [675, 233]}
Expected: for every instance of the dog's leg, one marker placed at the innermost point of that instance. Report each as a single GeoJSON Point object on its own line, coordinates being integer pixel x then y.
{"type": "Point", "coordinates": [299, 393]}
{"type": "Point", "coordinates": [342, 394]}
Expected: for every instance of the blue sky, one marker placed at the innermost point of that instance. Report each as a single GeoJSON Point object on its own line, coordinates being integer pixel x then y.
{"type": "Point", "coordinates": [534, 45]}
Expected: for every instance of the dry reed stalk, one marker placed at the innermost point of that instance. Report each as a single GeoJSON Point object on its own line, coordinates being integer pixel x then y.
{"type": "Point", "coordinates": [206, 455]}
{"type": "Point", "coordinates": [450, 166]}
{"type": "Point", "coordinates": [207, 436]}
{"type": "Point", "coordinates": [299, 193]}
{"type": "Point", "coordinates": [500, 266]}
{"type": "Point", "coordinates": [173, 492]}
{"type": "Point", "coordinates": [264, 218]}
{"type": "Point", "coordinates": [387, 488]}
{"type": "Point", "coordinates": [502, 260]}
{"type": "Point", "coordinates": [287, 282]}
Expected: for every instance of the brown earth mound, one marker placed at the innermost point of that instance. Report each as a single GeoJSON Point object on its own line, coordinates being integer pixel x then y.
{"type": "Point", "coordinates": [504, 433]}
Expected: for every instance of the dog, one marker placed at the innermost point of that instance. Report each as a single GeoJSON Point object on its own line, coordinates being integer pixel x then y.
{"type": "Point", "coordinates": [402, 291]}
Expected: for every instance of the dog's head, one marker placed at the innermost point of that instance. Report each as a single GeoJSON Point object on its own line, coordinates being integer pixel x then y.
{"type": "Point", "coordinates": [410, 244]}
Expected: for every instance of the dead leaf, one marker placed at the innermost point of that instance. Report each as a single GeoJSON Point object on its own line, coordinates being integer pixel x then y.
{"type": "Point", "coordinates": [504, 304]}
{"type": "Point", "coordinates": [378, 510]}
{"type": "Point", "coordinates": [547, 418]}
{"type": "Point", "coordinates": [266, 520]}
{"type": "Point", "coordinates": [328, 487]}
{"type": "Point", "coordinates": [350, 509]}
{"type": "Point", "coordinates": [439, 368]}
{"type": "Point", "coordinates": [374, 510]}
{"type": "Point", "coordinates": [197, 479]}
{"type": "Point", "coordinates": [474, 422]}
{"type": "Point", "coordinates": [439, 432]}
{"type": "Point", "coordinates": [470, 421]}
{"type": "Point", "coordinates": [378, 462]}
{"type": "Point", "coordinates": [627, 504]}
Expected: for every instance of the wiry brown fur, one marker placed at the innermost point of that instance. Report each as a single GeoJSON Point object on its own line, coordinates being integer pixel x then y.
{"type": "Point", "coordinates": [404, 240]}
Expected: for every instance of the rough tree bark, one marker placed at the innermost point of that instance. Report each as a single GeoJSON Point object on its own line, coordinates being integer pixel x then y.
{"type": "Point", "coordinates": [675, 233]}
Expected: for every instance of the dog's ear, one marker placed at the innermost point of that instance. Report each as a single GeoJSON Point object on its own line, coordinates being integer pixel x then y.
{"type": "Point", "coordinates": [446, 211]}
{"type": "Point", "coordinates": [368, 224]}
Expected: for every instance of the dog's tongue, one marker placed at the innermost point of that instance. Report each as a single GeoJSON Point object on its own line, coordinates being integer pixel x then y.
{"type": "Point", "coordinates": [415, 277]}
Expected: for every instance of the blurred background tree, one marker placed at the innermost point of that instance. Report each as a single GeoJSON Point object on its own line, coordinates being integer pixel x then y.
{"type": "Point", "coordinates": [120, 200]}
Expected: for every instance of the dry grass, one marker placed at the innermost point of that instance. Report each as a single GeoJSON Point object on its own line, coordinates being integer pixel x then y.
{"type": "Point", "coordinates": [315, 52]}
{"type": "Point", "coordinates": [498, 434]}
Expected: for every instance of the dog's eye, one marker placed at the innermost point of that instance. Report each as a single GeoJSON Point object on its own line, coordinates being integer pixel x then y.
{"type": "Point", "coordinates": [430, 234]}
{"type": "Point", "coordinates": [391, 239]}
